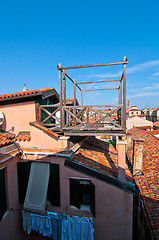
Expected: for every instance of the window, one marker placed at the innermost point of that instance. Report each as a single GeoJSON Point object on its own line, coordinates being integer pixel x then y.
{"type": "Point", "coordinates": [53, 193]}
{"type": "Point", "coordinates": [3, 201]}
{"type": "Point", "coordinates": [82, 194]}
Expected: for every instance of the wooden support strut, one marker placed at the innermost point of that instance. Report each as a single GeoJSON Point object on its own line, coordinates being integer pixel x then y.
{"type": "Point", "coordinates": [91, 90]}
{"type": "Point", "coordinates": [100, 81]}
{"type": "Point", "coordinates": [124, 92]}
{"type": "Point", "coordinates": [92, 65]}
{"type": "Point", "coordinates": [60, 90]}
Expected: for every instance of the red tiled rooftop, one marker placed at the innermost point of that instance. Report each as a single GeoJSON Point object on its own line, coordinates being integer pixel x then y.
{"type": "Point", "coordinates": [24, 93]}
{"type": "Point", "coordinates": [153, 132]}
{"type": "Point", "coordinates": [99, 155]}
{"type": "Point", "coordinates": [148, 182]}
{"type": "Point", "coordinates": [156, 124]}
{"type": "Point", "coordinates": [23, 136]}
{"type": "Point", "coordinates": [4, 140]}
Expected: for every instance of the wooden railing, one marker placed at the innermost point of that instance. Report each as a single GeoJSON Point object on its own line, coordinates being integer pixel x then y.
{"type": "Point", "coordinates": [76, 117]}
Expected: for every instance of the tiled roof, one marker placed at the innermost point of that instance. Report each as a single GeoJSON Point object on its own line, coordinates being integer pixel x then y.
{"type": "Point", "coordinates": [23, 136]}
{"type": "Point", "coordinates": [156, 124]}
{"type": "Point", "coordinates": [44, 129]}
{"type": "Point", "coordinates": [153, 132]}
{"type": "Point", "coordinates": [148, 182]}
{"type": "Point", "coordinates": [69, 100]}
{"type": "Point", "coordinates": [24, 93]}
{"type": "Point", "coordinates": [99, 155]}
{"type": "Point", "coordinates": [4, 140]}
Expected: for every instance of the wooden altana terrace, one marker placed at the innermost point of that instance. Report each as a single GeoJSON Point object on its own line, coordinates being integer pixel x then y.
{"type": "Point", "coordinates": [88, 120]}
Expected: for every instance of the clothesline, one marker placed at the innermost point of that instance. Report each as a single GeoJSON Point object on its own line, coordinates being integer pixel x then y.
{"type": "Point", "coordinates": [59, 226]}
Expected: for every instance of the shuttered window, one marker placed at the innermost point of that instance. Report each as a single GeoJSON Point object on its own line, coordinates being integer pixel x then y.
{"type": "Point", "coordinates": [23, 177]}
{"type": "Point", "coordinates": [82, 192]}
{"type": "Point", "coordinates": [54, 185]}
{"type": "Point", "coordinates": [54, 182]}
{"type": "Point", "coordinates": [3, 202]}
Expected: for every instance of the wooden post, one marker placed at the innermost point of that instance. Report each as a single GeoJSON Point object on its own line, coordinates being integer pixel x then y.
{"type": "Point", "coordinates": [64, 98]}
{"type": "Point", "coordinates": [124, 93]}
{"type": "Point", "coordinates": [81, 97]}
{"type": "Point", "coordinates": [60, 90]}
{"type": "Point", "coordinates": [64, 88]}
{"type": "Point", "coordinates": [74, 85]}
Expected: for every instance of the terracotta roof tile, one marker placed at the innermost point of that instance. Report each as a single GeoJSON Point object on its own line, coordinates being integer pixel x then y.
{"type": "Point", "coordinates": [23, 136]}
{"type": "Point", "coordinates": [99, 155]}
{"type": "Point", "coordinates": [18, 94]}
{"type": "Point", "coordinates": [148, 182]}
{"type": "Point", "coordinates": [4, 140]}
{"type": "Point", "coordinates": [156, 124]}
{"type": "Point", "coordinates": [153, 132]}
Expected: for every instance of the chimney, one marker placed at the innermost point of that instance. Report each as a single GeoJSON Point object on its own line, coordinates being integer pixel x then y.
{"type": "Point", "coordinates": [121, 147]}
{"type": "Point", "coordinates": [128, 105]}
{"type": "Point", "coordinates": [129, 145]}
{"type": "Point", "coordinates": [24, 88]}
{"type": "Point", "coordinates": [138, 145]}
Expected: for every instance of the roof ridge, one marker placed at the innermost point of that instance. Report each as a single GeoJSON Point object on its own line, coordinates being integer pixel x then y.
{"type": "Point", "coordinates": [28, 91]}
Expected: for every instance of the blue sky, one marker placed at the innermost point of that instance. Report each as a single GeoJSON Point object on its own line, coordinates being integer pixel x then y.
{"type": "Point", "coordinates": [37, 35]}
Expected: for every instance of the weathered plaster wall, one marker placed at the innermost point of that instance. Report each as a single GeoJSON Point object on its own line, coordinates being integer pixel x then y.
{"type": "Point", "coordinates": [137, 122]}
{"type": "Point", "coordinates": [17, 116]}
{"type": "Point", "coordinates": [114, 207]}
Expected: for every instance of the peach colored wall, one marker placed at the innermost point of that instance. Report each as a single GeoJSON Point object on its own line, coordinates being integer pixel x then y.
{"type": "Point", "coordinates": [114, 207]}
{"type": "Point", "coordinates": [9, 225]}
{"type": "Point", "coordinates": [40, 139]}
{"type": "Point", "coordinates": [18, 116]}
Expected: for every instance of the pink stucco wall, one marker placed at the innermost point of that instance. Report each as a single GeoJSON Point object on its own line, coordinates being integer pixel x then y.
{"type": "Point", "coordinates": [18, 116]}
{"type": "Point", "coordinates": [42, 140]}
{"type": "Point", "coordinates": [10, 223]}
{"type": "Point", "coordinates": [114, 207]}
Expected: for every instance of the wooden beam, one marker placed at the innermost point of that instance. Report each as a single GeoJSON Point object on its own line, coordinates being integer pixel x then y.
{"type": "Point", "coordinates": [100, 81]}
{"type": "Point", "coordinates": [72, 80]}
{"type": "Point", "coordinates": [74, 86]}
{"type": "Point", "coordinates": [100, 106]}
{"type": "Point", "coordinates": [51, 114]}
{"type": "Point", "coordinates": [91, 90]}
{"type": "Point", "coordinates": [91, 65]}
{"type": "Point", "coordinates": [60, 90]}
{"type": "Point", "coordinates": [64, 88]}
{"type": "Point", "coordinates": [74, 116]}
{"type": "Point", "coordinates": [124, 92]}
{"type": "Point", "coordinates": [81, 97]}
{"type": "Point", "coordinates": [78, 114]}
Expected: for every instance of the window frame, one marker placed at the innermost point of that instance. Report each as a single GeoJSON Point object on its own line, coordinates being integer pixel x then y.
{"type": "Point", "coordinates": [77, 190]}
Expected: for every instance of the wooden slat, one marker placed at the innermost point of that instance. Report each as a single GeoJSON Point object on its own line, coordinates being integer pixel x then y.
{"type": "Point", "coordinates": [78, 115]}
{"type": "Point", "coordinates": [72, 80]}
{"type": "Point", "coordinates": [100, 106]}
{"type": "Point", "coordinates": [51, 114]}
{"type": "Point", "coordinates": [92, 90]}
{"type": "Point", "coordinates": [74, 116]}
{"type": "Point", "coordinates": [100, 81]}
{"type": "Point", "coordinates": [60, 90]}
{"type": "Point", "coordinates": [124, 94]}
{"type": "Point", "coordinates": [91, 65]}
